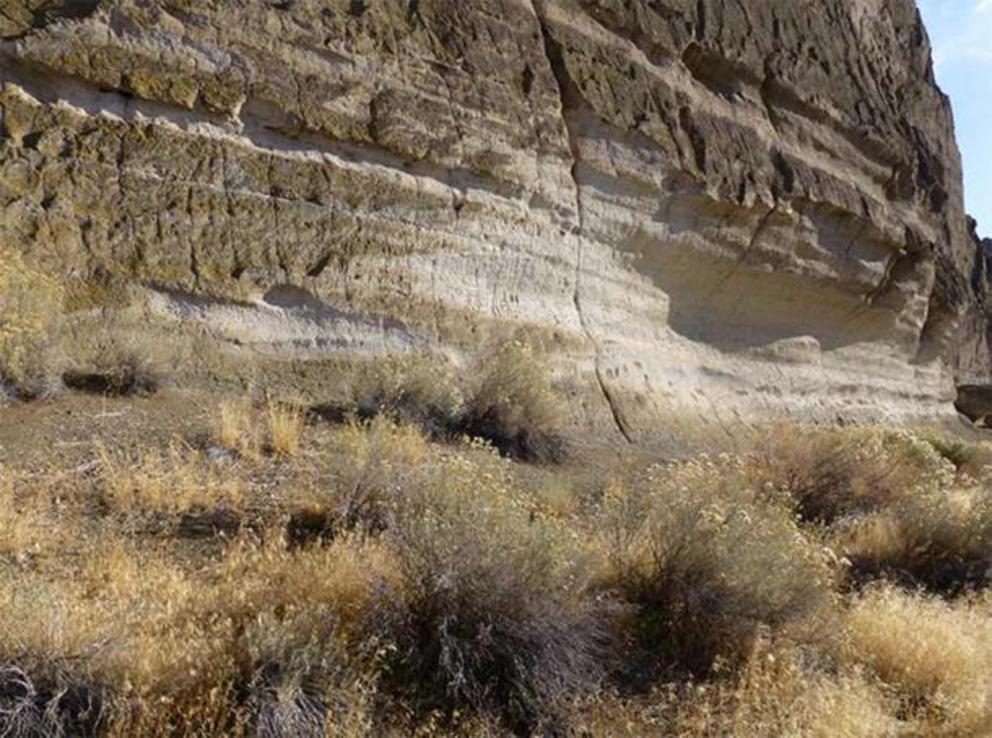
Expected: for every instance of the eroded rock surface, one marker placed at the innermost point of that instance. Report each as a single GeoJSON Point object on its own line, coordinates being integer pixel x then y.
{"type": "Point", "coordinates": [711, 210]}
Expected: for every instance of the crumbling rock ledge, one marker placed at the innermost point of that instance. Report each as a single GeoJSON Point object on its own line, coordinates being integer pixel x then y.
{"type": "Point", "coordinates": [708, 212]}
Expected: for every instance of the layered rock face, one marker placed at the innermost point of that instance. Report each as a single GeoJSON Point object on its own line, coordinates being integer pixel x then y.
{"type": "Point", "coordinates": [717, 210]}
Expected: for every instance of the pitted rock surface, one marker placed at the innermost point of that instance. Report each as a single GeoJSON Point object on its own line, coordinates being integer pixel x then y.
{"type": "Point", "coordinates": [713, 210]}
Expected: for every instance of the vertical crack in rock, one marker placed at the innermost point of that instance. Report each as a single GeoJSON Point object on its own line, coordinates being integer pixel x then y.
{"type": "Point", "coordinates": [556, 63]}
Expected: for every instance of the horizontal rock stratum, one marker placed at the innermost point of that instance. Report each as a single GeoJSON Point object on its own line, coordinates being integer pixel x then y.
{"type": "Point", "coordinates": [707, 209]}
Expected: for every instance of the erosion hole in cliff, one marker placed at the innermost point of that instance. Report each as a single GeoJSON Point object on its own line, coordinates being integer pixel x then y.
{"type": "Point", "coordinates": [291, 297]}
{"type": "Point", "coordinates": [750, 308]}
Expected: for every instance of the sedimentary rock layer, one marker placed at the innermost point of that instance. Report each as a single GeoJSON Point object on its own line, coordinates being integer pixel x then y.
{"type": "Point", "coordinates": [716, 210]}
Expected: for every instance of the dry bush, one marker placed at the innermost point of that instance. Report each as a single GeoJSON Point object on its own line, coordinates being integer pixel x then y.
{"type": "Point", "coordinates": [48, 636]}
{"type": "Point", "coordinates": [100, 357]}
{"type": "Point", "coordinates": [938, 538]}
{"type": "Point", "coordinates": [263, 643]}
{"type": "Point", "coordinates": [936, 656]}
{"type": "Point", "coordinates": [775, 694]}
{"type": "Point", "coordinates": [512, 404]}
{"type": "Point", "coordinates": [419, 389]}
{"type": "Point", "coordinates": [711, 566]}
{"type": "Point", "coordinates": [894, 502]}
{"type": "Point", "coordinates": [30, 315]}
{"type": "Point", "coordinates": [375, 463]}
{"type": "Point", "coordinates": [490, 610]}
{"type": "Point", "coordinates": [837, 473]}
{"type": "Point", "coordinates": [970, 459]}
{"type": "Point", "coordinates": [284, 424]}
{"type": "Point", "coordinates": [127, 375]}
{"type": "Point", "coordinates": [509, 402]}
{"type": "Point", "coordinates": [301, 680]}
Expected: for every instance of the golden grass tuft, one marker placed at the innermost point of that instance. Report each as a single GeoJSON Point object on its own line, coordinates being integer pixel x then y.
{"type": "Point", "coordinates": [284, 424]}
{"type": "Point", "coordinates": [234, 428]}
{"type": "Point", "coordinates": [936, 656]}
{"type": "Point", "coordinates": [247, 430]}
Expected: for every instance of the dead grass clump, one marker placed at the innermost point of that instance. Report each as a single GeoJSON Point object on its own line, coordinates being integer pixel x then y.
{"type": "Point", "coordinates": [131, 642]}
{"type": "Point", "coordinates": [513, 405]}
{"type": "Point", "coordinates": [776, 692]}
{"type": "Point", "coordinates": [152, 482]}
{"type": "Point", "coordinates": [300, 679]}
{"type": "Point", "coordinates": [243, 428]}
{"type": "Point", "coordinates": [48, 638]}
{"type": "Point", "coordinates": [489, 611]}
{"type": "Point", "coordinates": [711, 566]}
{"type": "Point", "coordinates": [285, 428]}
{"type": "Point", "coordinates": [934, 655]}
{"type": "Point", "coordinates": [30, 313]}
{"type": "Point", "coordinates": [234, 428]}
{"type": "Point", "coordinates": [835, 473]}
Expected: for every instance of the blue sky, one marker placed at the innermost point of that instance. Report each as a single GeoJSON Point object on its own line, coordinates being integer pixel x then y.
{"type": "Point", "coordinates": [961, 35]}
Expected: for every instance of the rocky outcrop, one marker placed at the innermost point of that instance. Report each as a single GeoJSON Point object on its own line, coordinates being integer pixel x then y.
{"type": "Point", "coordinates": [974, 345]}
{"type": "Point", "coordinates": [707, 211]}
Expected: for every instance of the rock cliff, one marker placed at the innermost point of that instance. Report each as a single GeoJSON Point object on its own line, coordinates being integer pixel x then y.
{"type": "Point", "coordinates": [706, 209]}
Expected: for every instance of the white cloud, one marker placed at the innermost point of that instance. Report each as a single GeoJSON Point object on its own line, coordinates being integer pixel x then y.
{"type": "Point", "coordinates": [983, 6]}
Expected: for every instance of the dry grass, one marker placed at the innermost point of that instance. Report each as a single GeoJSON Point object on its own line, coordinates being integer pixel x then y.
{"type": "Point", "coordinates": [235, 428]}
{"type": "Point", "coordinates": [442, 589]}
{"type": "Point", "coordinates": [247, 430]}
{"type": "Point", "coordinates": [834, 474]}
{"type": "Point", "coordinates": [940, 539]}
{"type": "Point", "coordinates": [174, 480]}
{"type": "Point", "coordinates": [285, 424]}
{"type": "Point", "coordinates": [934, 655]}
{"type": "Point", "coordinates": [490, 609]}
{"type": "Point", "coordinates": [512, 403]}
{"type": "Point", "coordinates": [420, 389]}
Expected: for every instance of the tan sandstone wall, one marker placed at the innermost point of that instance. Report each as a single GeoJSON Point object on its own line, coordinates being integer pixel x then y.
{"type": "Point", "coordinates": [709, 209]}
